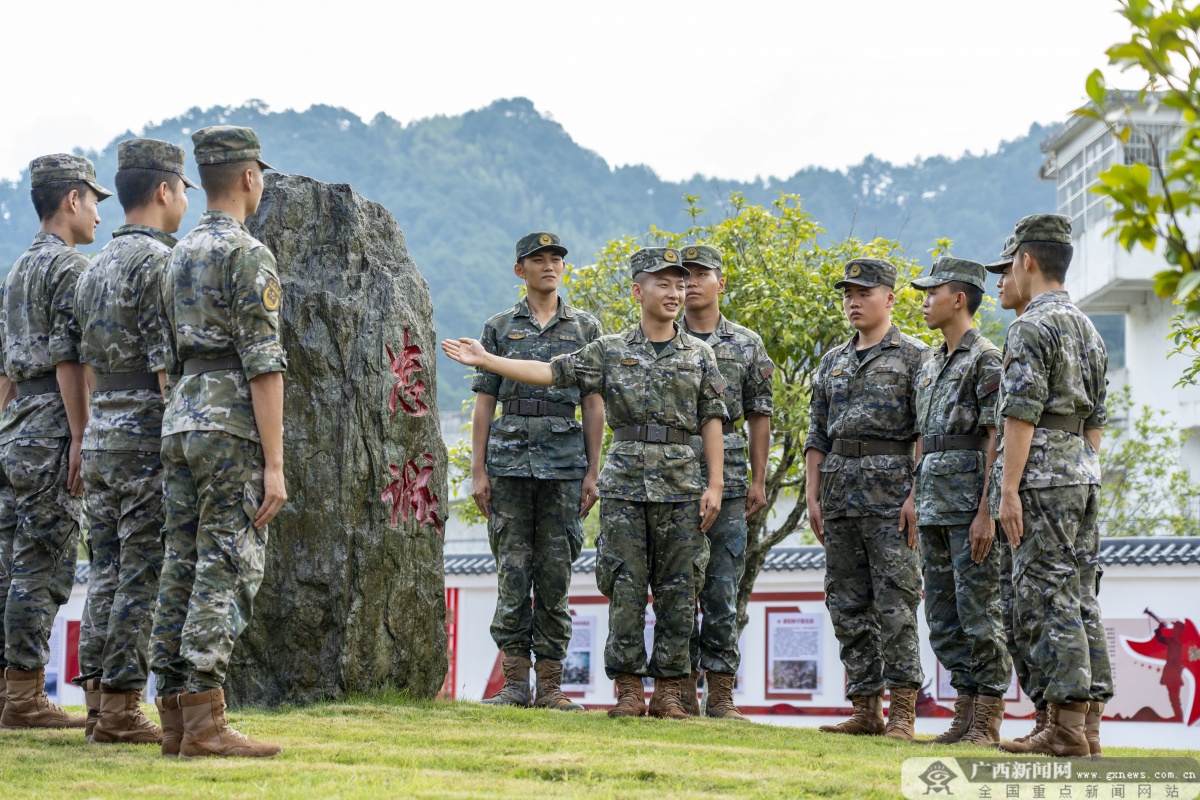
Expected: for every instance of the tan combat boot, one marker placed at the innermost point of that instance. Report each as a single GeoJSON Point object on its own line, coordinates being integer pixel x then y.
{"type": "Point", "coordinates": [91, 701]}
{"type": "Point", "coordinates": [687, 693]}
{"type": "Point", "coordinates": [631, 698]}
{"type": "Point", "coordinates": [515, 691]}
{"type": "Point", "coordinates": [720, 697]}
{"type": "Point", "coordinates": [122, 721]}
{"type": "Point", "coordinates": [1062, 736]}
{"type": "Point", "coordinates": [206, 734]}
{"type": "Point", "coordinates": [964, 713]}
{"type": "Point", "coordinates": [171, 717]}
{"type": "Point", "coordinates": [29, 707]}
{"type": "Point", "coordinates": [867, 719]}
{"type": "Point", "coordinates": [3, 693]}
{"type": "Point", "coordinates": [1040, 720]}
{"type": "Point", "coordinates": [665, 703]}
{"type": "Point", "coordinates": [985, 725]}
{"type": "Point", "coordinates": [1091, 729]}
{"type": "Point", "coordinates": [549, 687]}
{"type": "Point", "coordinates": [901, 714]}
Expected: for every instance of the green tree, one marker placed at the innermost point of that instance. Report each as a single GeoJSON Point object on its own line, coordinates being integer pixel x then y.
{"type": "Point", "coordinates": [1145, 489]}
{"type": "Point", "coordinates": [780, 270]}
{"type": "Point", "coordinates": [1152, 202]}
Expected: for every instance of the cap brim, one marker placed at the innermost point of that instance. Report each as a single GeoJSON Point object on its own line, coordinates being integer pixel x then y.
{"type": "Point", "coordinates": [558, 248]}
{"type": "Point", "coordinates": [188, 182]}
{"type": "Point", "coordinates": [662, 267]}
{"type": "Point", "coordinates": [929, 281]}
{"type": "Point", "coordinates": [265, 165]}
{"type": "Point", "coordinates": [100, 191]}
{"type": "Point", "coordinates": [997, 267]}
{"type": "Point", "coordinates": [699, 265]}
{"type": "Point", "coordinates": [844, 282]}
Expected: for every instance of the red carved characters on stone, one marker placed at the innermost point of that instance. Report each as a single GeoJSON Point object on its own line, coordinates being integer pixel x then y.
{"type": "Point", "coordinates": [410, 492]}
{"type": "Point", "coordinates": [407, 392]}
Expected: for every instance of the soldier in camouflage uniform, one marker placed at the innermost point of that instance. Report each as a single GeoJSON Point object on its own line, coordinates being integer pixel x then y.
{"type": "Point", "coordinates": [222, 447]}
{"type": "Point", "coordinates": [746, 367]}
{"type": "Point", "coordinates": [41, 433]}
{"type": "Point", "coordinates": [1016, 638]}
{"type": "Point", "coordinates": [539, 479]}
{"type": "Point", "coordinates": [1053, 404]}
{"type": "Point", "coordinates": [859, 463]}
{"type": "Point", "coordinates": [123, 342]}
{"type": "Point", "coordinates": [956, 396]}
{"type": "Point", "coordinates": [659, 386]}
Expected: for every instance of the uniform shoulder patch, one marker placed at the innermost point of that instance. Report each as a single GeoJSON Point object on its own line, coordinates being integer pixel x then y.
{"type": "Point", "coordinates": [272, 295]}
{"type": "Point", "coordinates": [991, 385]}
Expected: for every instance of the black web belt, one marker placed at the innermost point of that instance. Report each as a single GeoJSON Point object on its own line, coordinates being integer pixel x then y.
{"type": "Point", "coordinates": [524, 407]}
{"type": "Point", "coordinates": [659, 434]}
{"type": "Point", "coordinates": [125, 381]}
{"type": "Point", "coordinates": [43, 385]}
{"type": "Point", "coordinates": [197, 366]}
{"type": "Point", "coordinates": [936, 443]}
{"type": "Point", "coordinates": [856, 448]}
{"type": "Point", "coordinates": [1061, 422]}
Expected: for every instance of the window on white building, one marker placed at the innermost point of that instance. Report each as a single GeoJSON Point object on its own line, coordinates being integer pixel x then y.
{"type": "Point", "coordinates": [1082, 171]}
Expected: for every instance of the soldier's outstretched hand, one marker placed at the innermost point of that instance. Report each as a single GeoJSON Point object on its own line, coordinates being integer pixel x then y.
{"type": "Point", "coordinates": [465, 351]}
{"type": "Point", "coordinates": [710, 506]}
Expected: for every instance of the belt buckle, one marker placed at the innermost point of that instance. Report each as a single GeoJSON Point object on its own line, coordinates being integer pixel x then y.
{"type": "Point", "coordinates": [860, 448]}
{"type": "Point", "coordinates": [526, 408]}
{"type": "Point", "coordinates": [656, 434]}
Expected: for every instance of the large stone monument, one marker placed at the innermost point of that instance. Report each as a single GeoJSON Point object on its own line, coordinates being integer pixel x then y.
{"type": "Point", "coordinates": [354, 595]}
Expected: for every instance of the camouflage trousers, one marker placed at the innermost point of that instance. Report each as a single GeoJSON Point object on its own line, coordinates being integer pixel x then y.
{"type": "Point", "coordinates": [39, 538]}
{"type": "Point", "coordinates": [1016, 638]}
{"type": "Point", "coordinates": [872, 590]}
{"type": "Point", "coordinates": [655, 545]}
{"type": "Point", "coordinates": [1055, 580]}
{"type": "Point", "coordinates": [714, 643]}
{"type": "Point", "coordinates": [962, 608]}
{"type": "Point", "coordinates": [535, 534]}
{"type": "Point", "coordinates": [213, 564]}
{"type": "Point", "coordinates": [124, 515]}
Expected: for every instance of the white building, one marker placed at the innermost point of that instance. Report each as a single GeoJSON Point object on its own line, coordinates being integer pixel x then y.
{"type": "Point", "coordinates": [1104, 278]}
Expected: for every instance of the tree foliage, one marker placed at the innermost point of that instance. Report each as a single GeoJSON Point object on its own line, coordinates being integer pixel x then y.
{"type": "Point", "coordinates": [1145, 488]}
{"type": "Point", "coordinates": [1153, 203]}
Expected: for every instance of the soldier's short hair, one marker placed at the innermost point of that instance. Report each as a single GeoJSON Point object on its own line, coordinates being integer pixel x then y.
{"type": "Point", "coordinates": [974, 294]}
{"type": "Point", "coordinates": [1052, 258]}
{"type": "Point", "coordinates": [48, 197]}
{"type": "Point", "coordinates": [219, 179]}
{"type": "Point", "coordinates": [136, 186]}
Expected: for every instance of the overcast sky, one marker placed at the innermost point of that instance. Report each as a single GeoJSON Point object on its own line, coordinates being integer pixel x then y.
{"type": "Point", "coordinates": [727, 89]}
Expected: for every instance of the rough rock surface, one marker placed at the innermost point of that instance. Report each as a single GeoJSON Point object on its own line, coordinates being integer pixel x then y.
{"type": "Point", "coordinates": [354, 594]}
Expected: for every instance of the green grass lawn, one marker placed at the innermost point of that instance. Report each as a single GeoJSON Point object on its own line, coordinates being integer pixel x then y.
{"type": "Point", "coordinates": [389, 747]}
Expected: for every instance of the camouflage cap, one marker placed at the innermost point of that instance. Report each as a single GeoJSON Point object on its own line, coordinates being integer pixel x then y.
{"type": "Point", "coordinates": [1040, 228]}
{"type": "Point", "coordinates": [702, 255]}
{"type": "Point", "coordinates": [530, 243]}
{"type": "Point", "coordinates": [227, 144]}
{"type": "Point", "coordinates": [656, 259]}
{"type": "Point", "coordinates": [946, 269]}
{"type": "Point", "coordinates": [152, 154]}
{"type": "Point", "coordinates": [997, 266]}
{"type": "Point", "coordinates": [868, 272]}
{"type": "Point", "coordinates": [65, 168]}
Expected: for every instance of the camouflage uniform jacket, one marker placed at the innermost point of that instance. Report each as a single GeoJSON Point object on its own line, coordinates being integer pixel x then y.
{"type": "Point", "coordinates": [550, 448]}
{"type": "Point", "coordinates": [1055, 363]}
{"type": "Point", "coordinates": [874, 399]}
{"type": "Point", "coordinates": [38, 330]}
{"type": "Point", "coordinates": [747, 368]}
{"type": "Point", "coordinates": [956, 395]}
{"type": "Point", "coordinates": [681, 388]}
{"type": "Point", "coordinates": [220, 297]}
{"type": "Point", "coordinates": [116, 303]}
